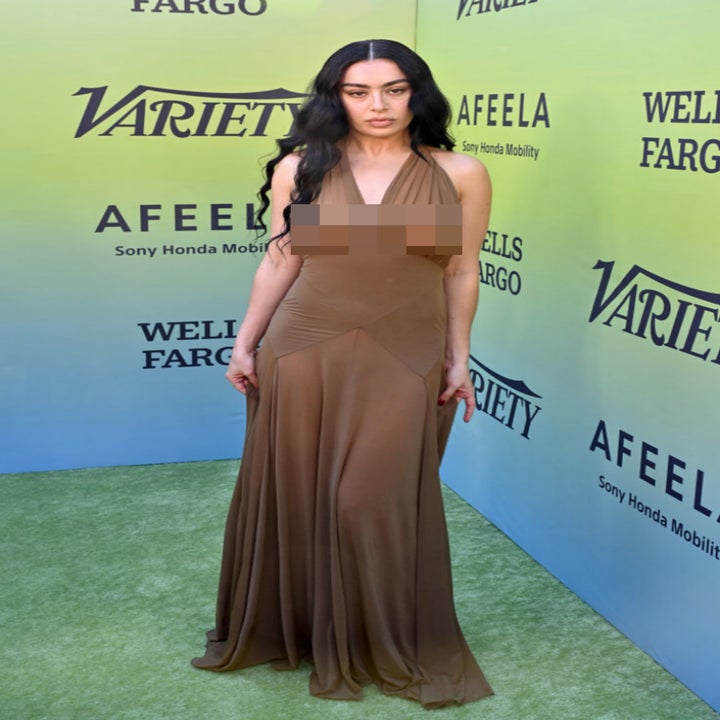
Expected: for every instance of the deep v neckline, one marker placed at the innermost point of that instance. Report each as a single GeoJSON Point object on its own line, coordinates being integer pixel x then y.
{"type": "Point", "coordinates": [354, 188]}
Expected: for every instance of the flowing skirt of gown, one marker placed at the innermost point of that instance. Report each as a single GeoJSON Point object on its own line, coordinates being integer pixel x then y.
{"type": "Point", "coordinates": [336, 546]}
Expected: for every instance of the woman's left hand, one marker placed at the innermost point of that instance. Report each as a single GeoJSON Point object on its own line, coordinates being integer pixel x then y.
{"type": "Point", "coordinates": [459, 387]}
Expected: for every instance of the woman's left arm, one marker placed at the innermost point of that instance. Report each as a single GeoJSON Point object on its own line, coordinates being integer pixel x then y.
{"type": "Point", "coordinates": [461, 282]}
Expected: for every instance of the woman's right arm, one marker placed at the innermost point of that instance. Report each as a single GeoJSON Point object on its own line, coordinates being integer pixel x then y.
{"type": "Point", "coordinates": [273, 278]}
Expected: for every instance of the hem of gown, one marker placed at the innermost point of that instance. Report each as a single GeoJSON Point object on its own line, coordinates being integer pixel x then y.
{"type": "Point", "coordinates": [423, 692]}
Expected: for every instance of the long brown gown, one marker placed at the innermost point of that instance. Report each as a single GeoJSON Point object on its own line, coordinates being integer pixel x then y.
{"type": "Point", "coordinates": [336, 546]}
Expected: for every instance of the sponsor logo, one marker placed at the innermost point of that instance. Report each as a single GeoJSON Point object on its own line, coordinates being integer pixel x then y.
{"type": "Point", "coordinates": [663, 473]}
{"type": "Point", "coordinates": [203, 7]}
{"type": "Point", "coordinates": [660, 311]}
{"type": "Point", "coordinates": [503, 247]}
{"type": "Point", "coordinates": [173, 250]}
{"type": "Point", "coordinates": [181, 217]}
{"type": "Point", "coordinates": [503, 110]}
{"type": "Point", "coordinates": [687, 109]}
{"type": "Point", "coordinates": [187, 343]}
{"type": "Point", "coordinates": [466, 8]}
{"type": "Point", "coordinates": [161, 112]}
{"type": "Point", "coordinates": [510, 402]}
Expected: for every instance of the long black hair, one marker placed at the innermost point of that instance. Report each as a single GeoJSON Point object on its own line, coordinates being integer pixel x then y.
{"type": "Point", "coordinates": [321, 121]}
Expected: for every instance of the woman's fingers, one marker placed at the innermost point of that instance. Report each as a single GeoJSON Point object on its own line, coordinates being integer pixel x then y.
{"type": "Point", "coordinates": [459, 393]}
{"type": "Point", "coordinates": [241, 373]}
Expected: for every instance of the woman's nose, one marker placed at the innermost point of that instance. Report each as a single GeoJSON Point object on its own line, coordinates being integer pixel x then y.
{"type": "Point", "coordinates": [378, 100]}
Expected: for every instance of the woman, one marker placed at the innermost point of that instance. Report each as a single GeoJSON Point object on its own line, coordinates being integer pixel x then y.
{"type": "Point", "coordinates": [336, 546]}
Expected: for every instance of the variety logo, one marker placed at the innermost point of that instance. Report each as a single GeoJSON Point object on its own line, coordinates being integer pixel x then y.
{"type": "Point", "coordinates": [158, 112]}
{"type": "Point", "coordinates": [466, 8]}
{"type": "Point", "coordinates": [660, 311]}
{"type": "Point", "coordinates": [510, 402]}
{"type": "Point", "coordinates": [203, 7]}
{"type": "Point", "coordinates": [689, 109]}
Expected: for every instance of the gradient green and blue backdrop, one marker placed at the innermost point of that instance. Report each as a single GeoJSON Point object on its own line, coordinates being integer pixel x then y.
{"type": "Point", "coordinates": [75, 392]}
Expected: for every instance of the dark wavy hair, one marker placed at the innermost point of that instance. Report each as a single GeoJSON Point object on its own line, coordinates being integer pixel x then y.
{"type": "Point", "coordinates": [321, 121]}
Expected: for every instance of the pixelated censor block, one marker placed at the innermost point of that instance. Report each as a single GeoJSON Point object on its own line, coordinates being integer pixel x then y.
{"type": "Point", "coordinates": [376, 229]}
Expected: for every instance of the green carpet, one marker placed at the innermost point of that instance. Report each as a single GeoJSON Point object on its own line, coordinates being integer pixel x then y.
{"type": "Point", "coordinates": [108, 584]}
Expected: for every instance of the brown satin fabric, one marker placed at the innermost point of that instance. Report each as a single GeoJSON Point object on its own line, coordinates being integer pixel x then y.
{"type": "Point", "coordinates": [336, 547]}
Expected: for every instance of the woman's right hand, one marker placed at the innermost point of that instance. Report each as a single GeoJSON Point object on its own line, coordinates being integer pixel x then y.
{"type": "Point", "coordinates": [241, 370]}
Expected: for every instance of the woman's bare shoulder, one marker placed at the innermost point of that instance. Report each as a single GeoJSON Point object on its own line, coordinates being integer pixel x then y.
{"type": "Point", "coordinates": [467, 173]}
{"type": "Point", "coordinates": [285, 171]}
{"type": "Point", "coordinates": [458, 163]}
{"type": "Point", "coordinates": [288, 164]}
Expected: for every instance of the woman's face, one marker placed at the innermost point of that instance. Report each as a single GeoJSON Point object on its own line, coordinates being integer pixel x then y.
{"type": "Point", "coordinates": [375, 95]}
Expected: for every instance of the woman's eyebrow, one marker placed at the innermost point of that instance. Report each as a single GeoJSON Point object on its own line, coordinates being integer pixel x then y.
{"type": "Point", "coordinates": [360, 85]}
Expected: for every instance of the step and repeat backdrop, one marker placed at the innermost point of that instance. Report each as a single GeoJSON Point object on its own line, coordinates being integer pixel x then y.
{"type": "Point", "coordinates": [135, 132]}
{"type": "Point", "coordinates": [596, 350]}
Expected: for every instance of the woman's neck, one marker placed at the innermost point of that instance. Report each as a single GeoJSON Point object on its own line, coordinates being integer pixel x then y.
{"type": "Point", "coordinates": [374, 146]}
